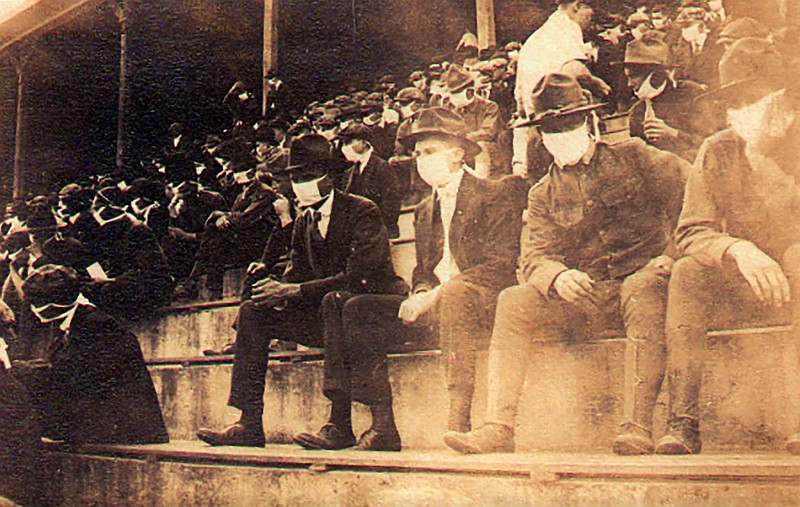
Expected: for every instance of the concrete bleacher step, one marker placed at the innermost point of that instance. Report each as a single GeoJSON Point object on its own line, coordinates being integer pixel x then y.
{"type": "Point", "coordinates": [190, 473]}
{"type": "Point", "coordinates": [572, 401]}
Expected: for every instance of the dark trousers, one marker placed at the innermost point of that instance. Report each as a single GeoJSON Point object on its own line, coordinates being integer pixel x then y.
{"type": "Point", "coordinates": [360, 330]}
{"type": "Point", "coordinates": [222, 248]}
{"type": "Point", "coordinates": [704, 297]}
{"type": "Point", "coordinates": [255, 327]}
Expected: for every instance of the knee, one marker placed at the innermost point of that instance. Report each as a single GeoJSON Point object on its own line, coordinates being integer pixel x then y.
{"type": "Point", "coordinates": [520, 300]}
{"type": "Point", "coordinates": [791, 259]}
{"type": "Point", "coordinates": [454, 291]}
{"type": "Point", "coordinates": [332, 303]}
{"type": "Point", "coordinates": [652, 282]}
{"type": "Point", "coordinates": [689, 275]}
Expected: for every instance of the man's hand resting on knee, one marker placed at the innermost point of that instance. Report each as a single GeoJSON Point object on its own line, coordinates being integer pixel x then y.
{"type": "Point", "coordinates": [762, 273]}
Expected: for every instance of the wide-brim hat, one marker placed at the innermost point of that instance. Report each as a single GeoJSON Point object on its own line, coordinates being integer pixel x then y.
{"type": "Point", "coordinates": [440, 122]}
{"type": "Point", "coordinates": [752, 66]}
{"type": "Point", "coordinates": [558, 96]}
{"type": "Point", "coordinates": [649, 51]}
{"type": "Point", "coordinates": [356, 131]}
{"type": "Point", "coordinates": [312, 150]}
{"type": "Point", "coordinates": [457, 78]}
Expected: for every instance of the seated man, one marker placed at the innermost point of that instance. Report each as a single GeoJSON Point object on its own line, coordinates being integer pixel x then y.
{"type": "Point", "coordinates": [664, 115]}
{"type": "Point", "coordinates": [592, 259]}
{"type": "Point", "coordinates": [467, 236]}
{"type": "Point", "coordinates": [339, 244]}
{"type": "Point", "coordinates": [739, 230]}
{"type": "Point", "coordinates": [233, 238]}
{"type": "Point", "coordinates": [371, 176]}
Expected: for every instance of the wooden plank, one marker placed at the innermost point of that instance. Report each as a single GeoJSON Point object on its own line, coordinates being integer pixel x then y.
{"type": "Point", "coordinates": [42, 15]}
{"type": "Point", "coordinates": [733, 468]}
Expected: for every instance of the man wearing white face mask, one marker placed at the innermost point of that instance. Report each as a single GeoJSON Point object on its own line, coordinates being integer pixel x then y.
{"type": "Point", "coordinates": [739, 231]}
{"type": "Point", "coordinates": [371, 176]}
{"type": "Point", "coordinates": [481, 116]}
{"type": "Point", "coordinates": [593, 245]}
{"type": "Point", "coordinates": [664, 114]}
{"type": "Point", "coordinates": [467, 234]}
{"type": "Point", "coordinates": [694, 50]}
{"type": "Point", "coordinates": [339, 246]}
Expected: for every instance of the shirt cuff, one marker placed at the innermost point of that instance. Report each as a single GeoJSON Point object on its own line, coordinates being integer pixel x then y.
{"type": "Point", "coordinates": [545, 274]}
{"type": "Point", "coordinates": [717, 250]}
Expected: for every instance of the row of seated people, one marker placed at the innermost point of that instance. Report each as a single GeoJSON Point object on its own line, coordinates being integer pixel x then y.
{"type": "Point", "coordinates": [594, 250]}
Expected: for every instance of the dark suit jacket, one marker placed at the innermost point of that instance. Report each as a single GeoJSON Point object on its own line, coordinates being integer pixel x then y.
{"type": "Point", "coordinates": [484, 234]}
{"type": "Point", "coordinates": [378, 182]}
{"type": "Point", "coordinates": [354, 256]}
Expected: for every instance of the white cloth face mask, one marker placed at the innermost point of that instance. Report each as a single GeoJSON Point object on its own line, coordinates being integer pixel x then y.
{"type": "Point", "coordinates": [567, 148]}
{"type": "Point", "coordinates": [307, 192]}
{"type": "Point", "coordinates": [434, 169]}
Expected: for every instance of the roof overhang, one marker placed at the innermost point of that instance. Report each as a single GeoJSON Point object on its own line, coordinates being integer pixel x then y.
{"type": "Point", "coordinates": [26, 18]}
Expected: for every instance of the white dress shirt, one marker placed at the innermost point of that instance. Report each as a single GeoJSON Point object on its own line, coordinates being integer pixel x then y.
{"type": "Point", "coordinates": [558, 41]}
{"type": "Point", "coordinates": [447, 268]}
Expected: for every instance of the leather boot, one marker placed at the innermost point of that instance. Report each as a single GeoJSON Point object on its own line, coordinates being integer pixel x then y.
{"type": "Point", "coordinates": [683, 437]}
{"type": "Point", "coordinates": [634, 439]}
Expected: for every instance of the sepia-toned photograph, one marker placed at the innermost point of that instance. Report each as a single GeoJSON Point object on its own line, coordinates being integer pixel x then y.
{"type": "Point", "coordinates": [399, 253]}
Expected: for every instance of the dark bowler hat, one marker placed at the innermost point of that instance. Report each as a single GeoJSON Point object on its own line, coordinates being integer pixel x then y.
{"type": "Point", "coordinates": [649, 51]}
{"type": "Point", "coordinates": [313, 151]}
{"type": "Point", "coordinates": [439, 122]}
{"type": "Point", "coordinates": [751, 68]}
{"type": "Point", "coordinates": [457, 78]}
{"type": "Point", "coordinates": [356, 131]}
{"type": "Point", "coordinates": [558, 96]}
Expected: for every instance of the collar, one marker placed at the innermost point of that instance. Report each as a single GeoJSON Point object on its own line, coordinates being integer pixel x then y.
{"type": "Point", "coordinates": [324, 206]}
{"type": "Point", "coordinates": [451, 189]}
{"type": "Point", "coordinates": [363, 159]}
{"type": "Point", "coordinates": [64, 313]}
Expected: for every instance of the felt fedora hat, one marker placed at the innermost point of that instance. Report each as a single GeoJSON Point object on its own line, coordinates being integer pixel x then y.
{"type": "Point", "coordinates": [457, 78]}
{"type": "Point", "coordinates": [558, 96]}
{"type": "Point", "coordinates": [752, 67]}
{"type": "Point", "coordinates": [312, 150]}
{"type": "Point", "coordinates": [440, 122]}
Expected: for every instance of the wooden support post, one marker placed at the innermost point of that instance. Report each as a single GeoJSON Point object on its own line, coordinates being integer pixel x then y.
{"type": "Point", "coordinates": [270, 54]}
{"type": "Point", "coordinates": [122, 11]}
{"type": "Point", "coordinates": [19, 60]}
{"type": "Point", "coordinates": [485, 22]}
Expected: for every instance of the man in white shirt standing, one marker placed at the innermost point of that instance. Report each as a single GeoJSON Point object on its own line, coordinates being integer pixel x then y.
{"type": "Point", "coordinates": [557, 46]}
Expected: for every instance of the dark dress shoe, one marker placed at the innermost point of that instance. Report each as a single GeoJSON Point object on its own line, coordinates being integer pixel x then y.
{"type": "Point", "coordinates": [227, 349]}
{"type": "Point", "coordinates": [236, 434]}
{"type": "Point", "coordinates": [375, 440]}
{"type": "Point", "coordinates": [329, 438]}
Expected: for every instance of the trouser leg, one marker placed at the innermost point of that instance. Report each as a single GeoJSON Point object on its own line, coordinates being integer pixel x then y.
{"type": "Point", "coordinates": [371, 326]}
{"type": "Point", "coordinates": [521, 312]}
{"type": "Point", "coordinates": [643, 300]}
{"type": "Point", "coordinates": [255, 327]}
{"type": "Point", "coordinates": [465, 313]}
{"type": "Point", "coordinates": [791, 267]}
{"type": "Point", "coordinates": [692, 288]}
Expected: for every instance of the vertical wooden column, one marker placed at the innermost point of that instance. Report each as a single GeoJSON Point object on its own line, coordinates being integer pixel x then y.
{"type": "Point", "coordinates": [270, 51]}
{"type": "Point", "coordinates": [19, 60]}
{"type": "Point", "coordinates": [485, 22]}
{"type": "Point", "coordinates": [122, 11]}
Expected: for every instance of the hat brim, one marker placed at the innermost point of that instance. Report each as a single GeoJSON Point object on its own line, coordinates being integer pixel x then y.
{"type": "Point", "coordinates": [470, 147]}
{"type": "Point", "coordinates": [645, 64]}
{"type": "Point", "coordinates": [327, 164]}
{"type": "Point", "coordinates": [554, 115]}
{"type": "Point", "coordinates": [728, 92]}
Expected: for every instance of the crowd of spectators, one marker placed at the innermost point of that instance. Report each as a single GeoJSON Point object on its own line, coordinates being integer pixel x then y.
{"type": "Point", "coordinates": [202, 206]}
